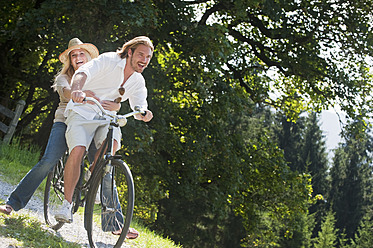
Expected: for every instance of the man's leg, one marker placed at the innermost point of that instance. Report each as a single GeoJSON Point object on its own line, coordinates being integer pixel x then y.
{"type": "Point", "coordinates": [79, 135]}
{"type": "Point", "coordinates": [71, 177]}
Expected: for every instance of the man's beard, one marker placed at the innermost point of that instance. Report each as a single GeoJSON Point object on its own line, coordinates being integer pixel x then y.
{"type": "Point", "coordinates": [139, 70]}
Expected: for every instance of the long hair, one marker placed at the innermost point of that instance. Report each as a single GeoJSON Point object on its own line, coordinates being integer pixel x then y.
{"type": "Point", "coordinates": [133, 44]}
{"type": "Point", "coordinates": [68, 69]}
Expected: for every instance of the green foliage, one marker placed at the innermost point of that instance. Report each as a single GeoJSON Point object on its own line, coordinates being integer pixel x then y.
{"type": "Point", "coordinates": [304, 151]}
{"type": "Point", "coordinates": [209, 157]}
{"type": "Point", "coordinates": [327, 237]}
{"type": "Point", "coordinates": [350, 194]}
{"type": "Point", "coordinates": [314, 155]}
{"type": "Point", "coordinates": [364, 235]}
{"type": "Point", "coordinates": [302, 232]}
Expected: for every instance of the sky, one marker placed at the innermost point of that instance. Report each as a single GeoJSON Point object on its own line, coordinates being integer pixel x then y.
{"type": "Point", "coordinates": [331, 128]}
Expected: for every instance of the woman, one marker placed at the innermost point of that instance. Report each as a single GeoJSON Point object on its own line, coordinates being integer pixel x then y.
{"type": "Point", "coordinates": [77, 54]}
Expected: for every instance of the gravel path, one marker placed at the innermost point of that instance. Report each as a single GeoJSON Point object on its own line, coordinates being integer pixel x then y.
{"type": "Point", "coordinates": [70, 232]}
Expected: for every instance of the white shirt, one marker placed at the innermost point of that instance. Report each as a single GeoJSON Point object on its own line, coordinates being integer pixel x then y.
{"type": "Point", "coordinates": [105, 74]}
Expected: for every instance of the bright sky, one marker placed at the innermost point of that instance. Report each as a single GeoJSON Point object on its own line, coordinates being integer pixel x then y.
{"type": "Point", "coordinates": [329, 124]}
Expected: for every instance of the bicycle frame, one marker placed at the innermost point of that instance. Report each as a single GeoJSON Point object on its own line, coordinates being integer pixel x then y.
{"type": "Point", "coordinates": [115, 120]}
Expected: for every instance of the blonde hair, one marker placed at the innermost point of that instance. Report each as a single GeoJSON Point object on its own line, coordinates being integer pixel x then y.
{"type": "Point", "coordinates": [68, 69]}
{"type": "Point", "coordinates": [133, 44]}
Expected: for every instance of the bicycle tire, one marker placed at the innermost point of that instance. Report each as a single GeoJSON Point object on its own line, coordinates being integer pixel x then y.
{"type": "Point", "coordinates": [53, 195]}
{"type": "Point", "coordinates": [101, 221]}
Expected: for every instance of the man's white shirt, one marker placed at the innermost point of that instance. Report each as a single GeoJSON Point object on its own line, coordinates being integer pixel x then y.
{"type": "Point", "coordinates": [105, 74]}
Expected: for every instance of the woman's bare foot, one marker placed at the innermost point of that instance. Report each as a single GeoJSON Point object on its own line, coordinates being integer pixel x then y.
{"type": "Point", "coordinates": [6, 209]}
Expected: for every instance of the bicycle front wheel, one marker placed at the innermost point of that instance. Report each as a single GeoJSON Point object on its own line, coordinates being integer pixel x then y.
{"type": "Point", "coordinates": [109, 208]}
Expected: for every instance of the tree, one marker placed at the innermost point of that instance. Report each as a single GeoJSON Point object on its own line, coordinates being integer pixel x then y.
{"type": "Point", "coordinates": [304, 150]}
{"type": "Point", "coordinates": [350, 190]}
{"type": "Point", "coordinates": [294, 39]}
{"type": "Point", "coordinates": [290, 136]}
{"type": "Point", "coordinates": [205, 158]}
{"type": "Point", "coordinates": [364, 235]}
{"type": "Point", "coordinates": [300, 40]}
{"type": "Point", "coordinates": [314, 158]}
{"type": "Point", "coordinates": [314, 155]}
{"type": "Point", "coordinates": [327, 237]}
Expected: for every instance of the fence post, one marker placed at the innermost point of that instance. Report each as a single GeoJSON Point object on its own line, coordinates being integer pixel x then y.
{"type": "Point", "coordinates": [12, 126]}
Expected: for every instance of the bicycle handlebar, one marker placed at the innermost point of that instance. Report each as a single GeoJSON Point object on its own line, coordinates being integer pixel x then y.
{"type": "Point", "coordinates": [120, 119]}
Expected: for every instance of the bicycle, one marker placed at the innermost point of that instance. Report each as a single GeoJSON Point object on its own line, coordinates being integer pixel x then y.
{"type": "Point", "coordinates": [102, 218]}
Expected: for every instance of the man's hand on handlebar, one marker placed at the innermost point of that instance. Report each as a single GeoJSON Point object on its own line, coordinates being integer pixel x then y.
{"type": "Point", "coordinates": [145, 117]}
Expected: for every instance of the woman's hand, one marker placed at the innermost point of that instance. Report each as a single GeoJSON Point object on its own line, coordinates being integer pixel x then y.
{"type": "Point", "coordinates": [77, 96]}
{"type": "Point", "coordinates": [89, 93]}
{"type": "Point", "coordinates": [110, 105]}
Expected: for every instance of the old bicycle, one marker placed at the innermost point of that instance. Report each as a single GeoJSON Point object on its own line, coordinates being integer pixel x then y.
{"type": "Point", "coordinates": [111, 179]}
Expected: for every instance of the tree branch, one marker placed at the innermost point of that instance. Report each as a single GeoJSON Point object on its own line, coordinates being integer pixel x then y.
{"type": "Point", "coordinates": [258, 49]}
{"type": "Point", "coordinates": [215, 8]}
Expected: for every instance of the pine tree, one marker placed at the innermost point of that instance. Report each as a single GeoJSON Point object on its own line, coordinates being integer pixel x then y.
{"type": "Point", "coordinates": [305, 150]}
{"type": "Point", "coordinates": [314, 157]}
{"type": "Point", "coordinates": [364, 235]}
{"type": "Point", "coordinates": [327, 237]}
{"type": "Point", "coordinates": [314, 154]}
{"type": "Point", "coordinates": [350, 179]}
{"type": "Point", "coordinates": [290, 139]}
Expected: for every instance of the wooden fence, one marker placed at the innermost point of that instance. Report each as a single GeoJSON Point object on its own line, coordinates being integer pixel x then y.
{"type": "Point", "coordinates": [14, 116]}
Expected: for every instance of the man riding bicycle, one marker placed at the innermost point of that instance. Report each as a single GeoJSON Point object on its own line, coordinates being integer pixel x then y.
{"type": "Point", "coordinates": [114, 76]}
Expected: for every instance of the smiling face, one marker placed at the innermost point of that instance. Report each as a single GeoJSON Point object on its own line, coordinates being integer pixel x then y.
{"type": "Point", "coordinates": [140, 58]}
{"type": "Point", "coordinates": [78, 58]}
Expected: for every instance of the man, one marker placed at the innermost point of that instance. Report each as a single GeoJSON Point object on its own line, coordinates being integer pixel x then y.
{"type": "Point", "coordinates": [114, 76]}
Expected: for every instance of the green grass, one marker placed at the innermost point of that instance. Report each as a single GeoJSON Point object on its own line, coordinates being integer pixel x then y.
{"type": "Point", "coordinates": [26, 231]}
{"type": "Point", "coordinates": [150, 239]}
{"type": "Point", "coordinates": [15, 162]}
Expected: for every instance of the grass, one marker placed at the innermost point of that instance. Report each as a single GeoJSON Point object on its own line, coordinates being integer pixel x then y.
{"type": "Point", "coordinates": [17, 160]}
{"type": "Point", "coordinates": [151, 239]}
{"type": "Point", "coordinates": [26, 231]}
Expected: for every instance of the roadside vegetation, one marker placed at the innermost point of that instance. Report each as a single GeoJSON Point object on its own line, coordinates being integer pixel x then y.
{"type": "Point", "coordinates": [27, 231]}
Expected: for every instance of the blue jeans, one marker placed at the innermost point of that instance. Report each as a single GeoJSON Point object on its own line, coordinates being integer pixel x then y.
{"type": "Point", "coordinates": [55, 149]}
{"type": "Point", "coordinates": [111, 221]}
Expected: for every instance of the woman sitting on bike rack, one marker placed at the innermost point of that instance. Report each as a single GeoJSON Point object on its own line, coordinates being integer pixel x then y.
{"type": "Point", "coordinates": [114, 76]}
{"type": "Point", "coordinates": [77, 54]}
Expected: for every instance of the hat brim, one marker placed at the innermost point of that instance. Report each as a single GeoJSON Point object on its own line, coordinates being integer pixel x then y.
{"type": "Point", "coordinates": [90, 48]}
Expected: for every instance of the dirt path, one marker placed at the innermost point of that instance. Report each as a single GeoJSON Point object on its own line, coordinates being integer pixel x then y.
{"type": "Point", "coordinates": [70, 232]}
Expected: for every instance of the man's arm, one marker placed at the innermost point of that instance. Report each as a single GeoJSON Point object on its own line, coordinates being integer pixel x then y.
{"type": "Point", "coordinates": [77, 95]}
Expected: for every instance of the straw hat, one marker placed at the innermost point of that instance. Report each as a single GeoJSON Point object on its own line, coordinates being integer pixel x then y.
{"type": "Point", "coordinates": [75, 43]}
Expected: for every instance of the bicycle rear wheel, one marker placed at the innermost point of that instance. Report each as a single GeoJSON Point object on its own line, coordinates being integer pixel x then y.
{"type": "Point", "coordinates": [53, 195]}
{"type": "Point", "coordinates": [114, 211]}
